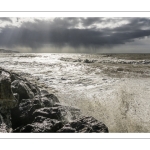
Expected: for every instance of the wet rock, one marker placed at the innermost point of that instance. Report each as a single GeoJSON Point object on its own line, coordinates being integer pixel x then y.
{"type": "Point", "coordinates": [52, 97]}
{"type": "Point", "coordinates": [89, 61]}
{"type": "Point", "coordinates": [7, 99]}
{"type": "Point", "coordinates": [16, 95]}
{"type": "Point", "coordinates": [7, 102]}
{"type": "Point", "coordinates": [120, 69]}
{"type": "Point", "coordinates": [42, 124]}
{"type": "Point", "coordinates": [69, 112]}
{"type": "Point", "coordinates": [22, 114]}
{"type": "Point", "coordinates": [66, 129]}
{"type": "Point", "coordinates": [14, 77]}
{"type": "Point", "coordinates": [49, 112]}
{"type": "Point", "coordinates": [63, 78]}
{"type": "Point", "coordinates": [33, 88]}
{"type": "Point", "coordinates": [47, 102]}
{"type": "Point", "coordinates": [22, 89]}
{"type": "Point", "coordinates": [5, 121]}
{"type": "Point", "coordinates": [85, 125]}
{"type": "Point", "coordinates": [24, 108]}
{"type": "Point", "coordinates": [104, 79]}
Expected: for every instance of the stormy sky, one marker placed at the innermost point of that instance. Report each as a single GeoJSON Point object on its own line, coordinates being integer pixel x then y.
{"type": "Point", "coordinates": [77, 35]}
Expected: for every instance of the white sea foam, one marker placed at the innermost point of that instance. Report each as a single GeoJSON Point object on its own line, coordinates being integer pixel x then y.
{"type": "Point", "coordinates": [121, 103]}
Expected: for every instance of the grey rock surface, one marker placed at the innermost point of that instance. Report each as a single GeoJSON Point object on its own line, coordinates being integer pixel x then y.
{"type": "Point", "coordinates": [26, 108]}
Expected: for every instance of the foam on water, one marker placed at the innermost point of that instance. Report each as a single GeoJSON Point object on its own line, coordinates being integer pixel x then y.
{"type": "Point", "coordinates": [121, 103]}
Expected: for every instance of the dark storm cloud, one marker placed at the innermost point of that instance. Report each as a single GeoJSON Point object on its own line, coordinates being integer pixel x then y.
{"type": "Point", "coordinates": [133, 25]}
{"type": "Point", "coordinates": [5, 19]}
{"type": "Point", "coordinates": [90, 21]}
{"type": "Point", "coordinates": [66, 32]}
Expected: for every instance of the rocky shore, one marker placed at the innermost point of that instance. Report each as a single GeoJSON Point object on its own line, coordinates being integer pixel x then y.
{"type": "Point", "coordinates": [8, 51]}
{"type": "Point", "coordinates": [26, 108]}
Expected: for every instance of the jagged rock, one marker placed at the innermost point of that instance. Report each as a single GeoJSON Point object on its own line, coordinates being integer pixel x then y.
{"type": "Point", "coordinates": [85, 125]}
{"type": "Point", "coordinates": [22, 89]}
{"type": "Point", "coordinates": [119, 69]}
{"type": "Point", "coordinates": [22, 114]}
{"type": "Point", "coordinates": [7, 102]}
{"type": "Point", "coordinates": [47, 102]}
{"type": "Point", "coordinates": [69, 113]}
{"type": "Point", "coordinates": [5, 122]}
{"type": "Point", "coordinates": [24, 108]}
{"type": "Point", "coordinates": [16, 95]}
{"type": "Point", "coordinates": [42, 124]}
{"type": "Point", "coordinates": [7, 99]}
{"type": "Point", "coordinates": [44, 93]}
{"type": "Point", "coordinates": [66, 129]}
{"type": "Point", "coordinates": [88, 61]}
{"type": "Point", "coordinates": [14, 77]}
{"type": "Point", "coordinates": [49, 112]}
{"type": "Point", "coordinates": [33, 88]}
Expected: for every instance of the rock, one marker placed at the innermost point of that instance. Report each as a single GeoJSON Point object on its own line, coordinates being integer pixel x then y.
{"type": "Point", "coordinates": [85, 125]}
{"type": "Point", "coordinates": [22, 90]}
{"type": "Point", "coordinates": [44, 93]}
{"type": "Point", "coordinates": [22, 114]}
{"type": "Point", "coordinates": [7, 99]}
{"type": "Point", "coordinates": [66, 129]}
{"type": "Point", "coordinates": [33, 88]}
{"type": "Point", "coordinates": [63, 78]}
{"type": "Point", "coordinates": [7, 102]}
{"type": "Point", "coordinates": [69, 112]}
{"type": "Point", "coordinates": [14, 77]}
{"type": "Point", "coordinates": [25, 108]}
{"type": "Point", "coordinates": [42, 124]}
{"type": "Point", "coordinates": [5, 122]}
{"type": "Point", "coordinates": [119, 69]}
{"type": "Point", "coordinates": [16, 95]}
{"type": "Point", "coordinates": [52, 97]}
{"type": "Point", "coordinates": [47, 102]}
{"type": "Point", "coordinates": [87, 61]}
{"type": "Point", "coordinates": [104, 79]}
{"type": "Point", "coordinates": [49, 112]}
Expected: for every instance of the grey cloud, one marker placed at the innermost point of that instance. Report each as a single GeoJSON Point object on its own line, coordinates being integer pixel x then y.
{"type": "Point", "coordinates": [62, 32]}
{"type": "Point", "coordinates": [5, 19]}
{"type": "Point", "coordinates": [90, 21]}
{"type": "Point", "coordinates": [133, 25]}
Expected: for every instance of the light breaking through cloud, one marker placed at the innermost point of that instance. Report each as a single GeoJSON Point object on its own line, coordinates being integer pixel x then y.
{"type": "Point", "coordinates": [75, 34]}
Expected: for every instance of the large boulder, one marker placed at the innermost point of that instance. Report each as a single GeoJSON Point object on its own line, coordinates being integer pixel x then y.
{"type": "Point", "coordinates": [44, 93]}
{"type": "Point", "coordinates": [27, 109]}
{"type": "Point", "coordinates": [22, 114]}
{"type": "Point", "coordinates": [23, 90]}
{"type": "Point", "coordinates": [47, 99]}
